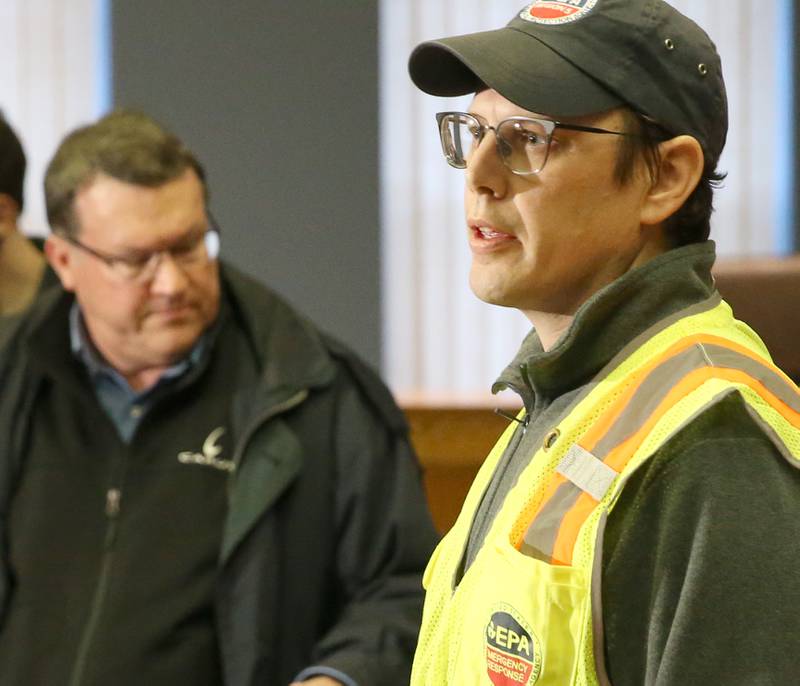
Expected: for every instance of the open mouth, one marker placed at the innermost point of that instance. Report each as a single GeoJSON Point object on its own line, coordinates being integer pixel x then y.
{"type": "Point", "coordinates": [484, 236]}
{"type": "Point", "coordinates": [489, 234]}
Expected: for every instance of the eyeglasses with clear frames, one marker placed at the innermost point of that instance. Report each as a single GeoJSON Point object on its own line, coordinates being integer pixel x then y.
{"type": "Point", "coordinates": [523, 143]}
{"type": "Point", "coordinates": [194, 250]}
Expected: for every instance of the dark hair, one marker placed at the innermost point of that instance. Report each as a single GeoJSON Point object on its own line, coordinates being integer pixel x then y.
{"type": "Point", "coordinates": [12, 164]}
{"type": "Point", "coordinates": [126, 145]}
{"type": "Point", "coordinates": [691, 223]}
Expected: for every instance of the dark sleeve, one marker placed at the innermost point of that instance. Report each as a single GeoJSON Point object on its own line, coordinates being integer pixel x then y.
{"type": "Point", "coordinates": [700, 580]}
{"type": "Point", "coordinates": [385, 537]}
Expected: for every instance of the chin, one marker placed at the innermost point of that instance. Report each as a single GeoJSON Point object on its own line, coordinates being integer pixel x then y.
{"type": "Point", "coordinates": [176, 347]}
{"type": "Point", "coordinates": [491, 293]}
{"type": "Point", "coordinates": [491, 283]}
{"type": "Point", "coordinates": [489, 297]}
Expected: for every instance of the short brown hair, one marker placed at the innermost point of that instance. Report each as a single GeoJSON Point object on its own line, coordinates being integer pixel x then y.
{"type": "Point", "coordinates": [691, 223]}
{"type": "Point", "coordinates": [126, 145]}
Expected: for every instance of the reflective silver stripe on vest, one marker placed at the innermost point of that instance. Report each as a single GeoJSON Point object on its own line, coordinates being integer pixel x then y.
{"type": "Point", "coordinates": [539, 539]}
{"type": "Point", "coordinates": [587, 472]}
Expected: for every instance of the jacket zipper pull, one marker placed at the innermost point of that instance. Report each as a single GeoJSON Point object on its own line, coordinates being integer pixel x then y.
{"type": "Point", "coordinates": [511, 417]}
{"type": "Point", "coordinates": [113, 497]}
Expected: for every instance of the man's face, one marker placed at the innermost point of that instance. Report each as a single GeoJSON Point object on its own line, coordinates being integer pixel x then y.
{"type": "Point", "coordinates": [545, 243]}
{"type": "Point", "coordinates": [149, 324]}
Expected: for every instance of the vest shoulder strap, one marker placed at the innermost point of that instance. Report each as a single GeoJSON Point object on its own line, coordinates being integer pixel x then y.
{"type": "Point", "coordinates": [667, 392]}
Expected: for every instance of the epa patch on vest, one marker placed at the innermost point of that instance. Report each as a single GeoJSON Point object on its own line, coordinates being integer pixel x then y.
{"type": "Point", "coordinates": [513, 656]}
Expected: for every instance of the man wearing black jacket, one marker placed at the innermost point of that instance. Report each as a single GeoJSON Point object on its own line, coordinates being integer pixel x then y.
{"type": "Point", "coordinates": [196, 485]}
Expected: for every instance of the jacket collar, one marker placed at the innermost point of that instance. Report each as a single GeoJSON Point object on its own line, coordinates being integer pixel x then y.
{"type": "Point", "coordinates": [292, 361]}
{"type": "Point", "coordinates": [289, 351]}
{"type": "Point", "coordinates": [607, 321]}
{"type": "Point", "coordinates": [288, 348]}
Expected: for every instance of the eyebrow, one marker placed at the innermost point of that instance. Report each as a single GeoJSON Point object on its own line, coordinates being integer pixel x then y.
{"type": "Point", "coordinates": [190, 233]}
{"type": "Point", "coordinates": [512, 116]}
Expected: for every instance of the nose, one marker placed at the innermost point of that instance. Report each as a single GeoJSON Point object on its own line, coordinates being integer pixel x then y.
{"type": "Point", "coordinates": [169, 278]}
{"type": "Point", "coordinates": [486, 172]}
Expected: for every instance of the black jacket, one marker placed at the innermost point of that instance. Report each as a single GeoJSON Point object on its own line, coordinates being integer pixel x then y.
{"type": "Point", "coordinates": [327, 531]}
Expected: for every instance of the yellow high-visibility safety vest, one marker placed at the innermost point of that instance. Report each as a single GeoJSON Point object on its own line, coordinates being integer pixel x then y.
{"type": "Point", "coordinates": [526, 611]}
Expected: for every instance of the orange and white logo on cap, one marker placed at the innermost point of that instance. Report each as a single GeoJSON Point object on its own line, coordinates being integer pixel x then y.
{"type": "Point", "coordinates": [557, 11]}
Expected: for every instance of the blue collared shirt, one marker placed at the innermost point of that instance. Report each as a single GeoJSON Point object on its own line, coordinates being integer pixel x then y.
{"type": "Point", "coordinates": [123, 404]}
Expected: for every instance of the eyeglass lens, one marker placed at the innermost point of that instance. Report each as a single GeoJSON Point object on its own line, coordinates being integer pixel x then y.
{"type": "Point", "coordinates": [203, 248]}
{"type": "Point", "coordinates": [522, 144]}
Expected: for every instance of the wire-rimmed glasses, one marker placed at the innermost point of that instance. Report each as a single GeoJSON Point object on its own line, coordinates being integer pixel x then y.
{"type": "Point", "coordinates": [195, 249]}
{"type": "Point", "coordinates": [523, 143]}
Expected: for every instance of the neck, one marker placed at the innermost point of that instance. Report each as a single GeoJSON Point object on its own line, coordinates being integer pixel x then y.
{"type": "Point", "coordinates": [144, 378]}
{"type": "Point", "coordinates": [21, 269]}
{"type": "Point", "coordinates": [549, 327]}
{"type": "Point", "coordinates": [138, 378]}
{"type": "Point", "coordinates": [139, 375]}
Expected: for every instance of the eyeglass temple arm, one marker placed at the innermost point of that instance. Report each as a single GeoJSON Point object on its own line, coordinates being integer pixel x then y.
{"type": "Point", "coordinates": [591, 129]}
{"type": "Point", "coordinates": [213, 221]}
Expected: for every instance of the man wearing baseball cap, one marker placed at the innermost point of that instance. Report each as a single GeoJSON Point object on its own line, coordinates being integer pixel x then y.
{"type": "Point", "coordinates": [637, 522]}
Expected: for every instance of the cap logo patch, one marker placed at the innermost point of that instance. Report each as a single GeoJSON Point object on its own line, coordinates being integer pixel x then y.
{"type": "Point", "coordinates": [513, 655]}
{"type": "Point", "coordinates": [557, 11]}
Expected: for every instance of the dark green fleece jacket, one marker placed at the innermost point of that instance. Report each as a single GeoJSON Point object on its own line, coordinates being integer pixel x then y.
{"type": "Point", "coordinates": [699, 567]}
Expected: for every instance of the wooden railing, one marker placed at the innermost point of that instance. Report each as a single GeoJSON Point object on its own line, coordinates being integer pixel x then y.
{"type": "Point", "coordinates": [452, 435]}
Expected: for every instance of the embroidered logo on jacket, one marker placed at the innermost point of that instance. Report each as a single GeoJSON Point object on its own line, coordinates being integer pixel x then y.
{"type": "Point", "coordinates": [209, 456]}
{"type": "Point", "coordinates": [513, 655]}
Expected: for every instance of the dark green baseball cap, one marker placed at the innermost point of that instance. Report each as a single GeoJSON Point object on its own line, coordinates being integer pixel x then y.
{"type": "Point", "coordinates": [577, 57]}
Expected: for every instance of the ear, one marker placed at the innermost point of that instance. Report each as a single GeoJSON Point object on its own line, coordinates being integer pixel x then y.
{"type": "Point", "coordinates": [61, 259]}
{"type": "Point", "coordinates": [678, 174]}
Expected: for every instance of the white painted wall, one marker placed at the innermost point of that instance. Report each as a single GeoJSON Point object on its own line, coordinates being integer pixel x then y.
{"type": "Point", "coordinates": [53, 77]}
